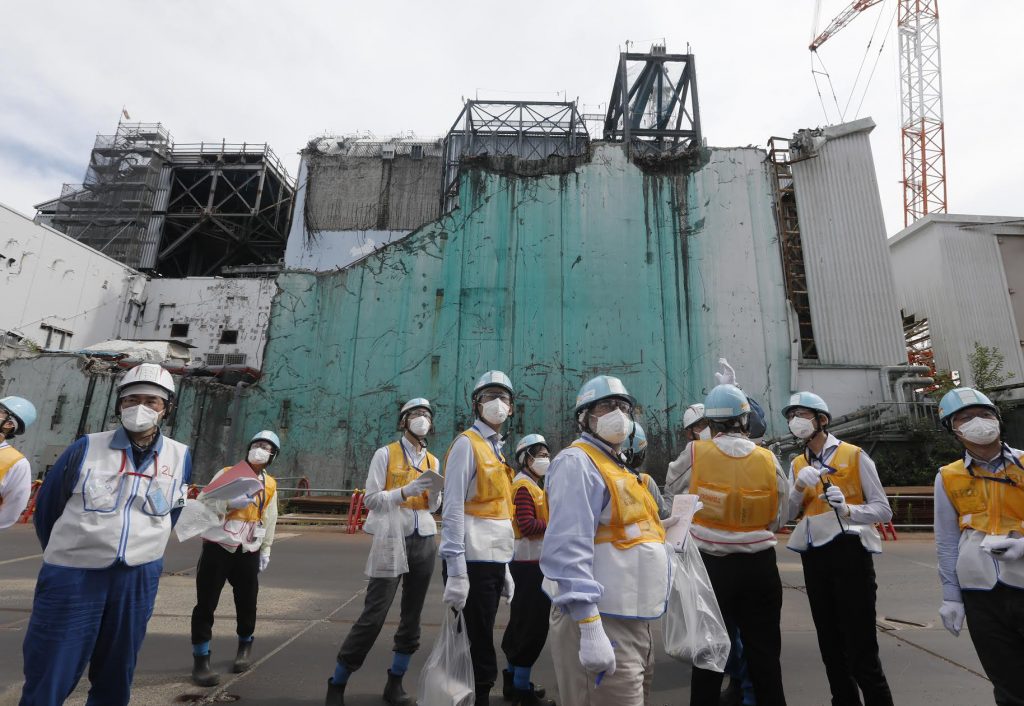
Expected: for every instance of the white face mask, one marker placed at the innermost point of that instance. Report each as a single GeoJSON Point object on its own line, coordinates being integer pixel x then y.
{"type": "Point", "coordinates": [704, 434]}
{"type": "Point", "coordinates": [540, 466]}
{"type": "Point", "coordinates": [979, 430]}
{"type": "Point", "coordinates": [614, 427]}
{"type": "Point", "coordinates": [258, 456]}
{"type": "Point", "coordinates": [801, 428]}
{"type": "Point", "coordinates": [495, 411]}
{"type": "Point", "coordinates": [419, 426]}
{"type": "Point", "coordinates": [139, 418]}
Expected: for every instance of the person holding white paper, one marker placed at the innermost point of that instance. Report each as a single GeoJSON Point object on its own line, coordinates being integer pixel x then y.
{"type": "Point", "coordinates": [403, 478]}
{"type": "Point", "coordinates": [979, 534]}
{"type": "Point", "coordinates": [235, 551]}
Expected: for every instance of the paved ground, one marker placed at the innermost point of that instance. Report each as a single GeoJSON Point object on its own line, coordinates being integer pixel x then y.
{"type": "Point", "coordinates": [312, 593]}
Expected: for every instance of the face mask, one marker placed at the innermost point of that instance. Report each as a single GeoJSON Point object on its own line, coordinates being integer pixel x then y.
{"type": "Point", "coordinates": [495, 411]}
{"type": "Point", "coordinates": [139, 418]}
{"type": "Point", "coordinates": [979, 430]}
{"type": "Point", "coordinates": [614, 427]}
{"type": "Point", "coordinates": [259, 456]}
{"type": "Point", "coordinates": [419, 426]}
{"type": "Point", "coordinates": [705, 434]}
{"type": "Point", "coordinates": [540, 466]}
{"type": "Point", "coordinates": [801, 428]}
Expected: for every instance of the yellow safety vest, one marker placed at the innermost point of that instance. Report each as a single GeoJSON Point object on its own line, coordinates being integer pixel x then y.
{"type": "Point", "coordinates": [401, 472]}
{"type": "Point", "coordinates": [846, 462]}
{"type": "Point", "coordinates": [540, 501]}
{"type": "Point", "coordinates": [492, 498]}
{"type": "Point", "coordinates": [739, 494]}
{"type": "Point", "coordinates": [634, 513]}
{"type": "Point", "coordinates": [8, 457]}
{"type": "Point", "coordinates": [986, 505]}
{"type": "Point", "coordinates": [255, 511]}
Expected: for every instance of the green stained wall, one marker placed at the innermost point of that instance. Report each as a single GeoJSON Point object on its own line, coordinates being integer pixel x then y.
{"type": "Point", "coordinates": [553, 279]}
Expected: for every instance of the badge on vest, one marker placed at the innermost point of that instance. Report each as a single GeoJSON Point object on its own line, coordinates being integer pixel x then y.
{"type": "Point", "coordinates": [156, 502]}
{"type": "Point", "coordinates": [100, 494]}
{"type": "Point", "coordinates": [259, 532]}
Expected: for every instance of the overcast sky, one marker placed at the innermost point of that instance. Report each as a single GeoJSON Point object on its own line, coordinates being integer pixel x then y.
{"type": "Point", "coordinates": [283, 72]}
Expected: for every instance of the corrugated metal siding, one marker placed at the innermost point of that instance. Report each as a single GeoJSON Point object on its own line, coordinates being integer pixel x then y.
{"type": "Point", "coordinates": [850, 281]}
{"type": "Point", "coordinates": [553, 279]}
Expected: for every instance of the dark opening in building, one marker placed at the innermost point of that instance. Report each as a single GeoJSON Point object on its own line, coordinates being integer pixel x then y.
{"type": "Point", "coordinates": [179, 330]}
{"type": "Point", "coordinates": [228, 336]}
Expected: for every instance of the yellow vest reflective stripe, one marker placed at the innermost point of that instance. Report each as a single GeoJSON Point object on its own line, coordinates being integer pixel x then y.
{"type": "Point", "coordinates": [8, 457]}
{"type": "Point", "coordinates": [492, 498]}
{"type": "Point", "coordinates": [401, 472]}
{"type": "Point", "coordinates": [986, 505]}
{"type": "Point", "coordinates": [540, 501]}
{"type": "Point", "coordinates": [846, 462]}
{"type": "Point", "coordinates": [634, 513]}
{"type": "Point", "coordinates": [739, 494]}
{"type": "Point", "coordinates": [256, 510]}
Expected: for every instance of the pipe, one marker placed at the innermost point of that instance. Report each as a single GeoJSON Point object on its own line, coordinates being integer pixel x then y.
{"type": "Point", "coordinates": [886, 371]}
{"type": "Point", "coordinates": [902, 382]}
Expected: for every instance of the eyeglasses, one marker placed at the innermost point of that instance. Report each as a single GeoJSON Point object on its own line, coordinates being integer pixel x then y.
{"type": "Point", "coordinates": [488, 396]}
{"type": "Point", "coordinates": [605, 406]}
{"type": "Point", "coordinates": [418, 413]}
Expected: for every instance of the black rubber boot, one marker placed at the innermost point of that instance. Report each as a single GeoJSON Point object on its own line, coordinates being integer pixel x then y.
{"type": "Point", "coordinates": [394, 694]}
{"type": "Point", "coordinates": [483, 695]}
{"type": "Point", "coordinates": [508, 687]}
{"type": "Point", "coordinates": [733, 694]}
{"type": "Point", "coordinates": [201, 672]}
{"type": "Point", "coordinates": [335, 694]}
{"type": "Point", "coordinates": [529, 697]}
{"type": "Point", "coordinates": [243, 659]}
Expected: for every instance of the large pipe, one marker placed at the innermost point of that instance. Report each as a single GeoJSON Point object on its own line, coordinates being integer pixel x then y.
{"type": "Point", "coordinates": [886, 372]}
{"type": "Point", "coordinates": [902, 382]}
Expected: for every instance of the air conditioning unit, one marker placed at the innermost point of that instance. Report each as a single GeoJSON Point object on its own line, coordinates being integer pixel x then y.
{"type": "Point", "coordinates": [215, 359]}
{"type": "Point", "coordinates": [387, 152]}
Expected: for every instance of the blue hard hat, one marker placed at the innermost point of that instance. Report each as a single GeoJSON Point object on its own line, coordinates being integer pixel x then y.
{"type": "Point", "coordinates": [493, 378]}
{"type": "Point", "coordinates": [529, 441]}
{"type": "Point", "coordinates": [807, 400]}
{"type": "Point", "coordinates": [22, 410]}
{"type": "Point", "coordinates": [726, 402]}
{"type": "Point", "coordinates": [953, 401]}
{"type": "Point", "coordinates": [635, 448]}
{"type": "Point", "coordinates": [758, 425]}
{"type": "Point", "coordinates": [267, 435]}
{"type": "Point", "coordinates": [599, 388]}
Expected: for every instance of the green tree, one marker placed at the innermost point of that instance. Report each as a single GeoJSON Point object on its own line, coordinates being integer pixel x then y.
{"type": "Point", "coordinates": [987, 367]}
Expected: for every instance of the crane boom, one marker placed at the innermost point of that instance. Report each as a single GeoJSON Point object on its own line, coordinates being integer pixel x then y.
{"type": "Point", "coordinates": [844, 18]}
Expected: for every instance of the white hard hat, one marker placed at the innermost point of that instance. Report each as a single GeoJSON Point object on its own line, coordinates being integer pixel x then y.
{"type": "Point", "coordinates": [693, 414]}
{"type": "Point", "coordinates": [148, 378]}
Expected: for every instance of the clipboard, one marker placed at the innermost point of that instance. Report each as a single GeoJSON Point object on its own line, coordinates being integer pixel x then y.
{"type": "Point", "coordinates": [436, 480]}
{"type": "Point", "coordinates": [237, 480]}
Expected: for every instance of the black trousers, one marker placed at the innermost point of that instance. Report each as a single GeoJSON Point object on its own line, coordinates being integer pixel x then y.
{"type": "Point", "coordinates": [241, 570]}
{"type": "Point", "coordinates": [380, 594]}
{"type": "Point", "coordinates": [840, 579]}
{"type": "Point", "coordinates": [749, 592]}
{"type": "Point", "coordinates": [996, 622]}
{"type": "Point", "coordinates": [527, 629]}
{"type": "Point", "coordinates": [486, 579]}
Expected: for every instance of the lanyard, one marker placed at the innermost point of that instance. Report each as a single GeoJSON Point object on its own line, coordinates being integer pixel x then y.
{"type": "Point", "coordinates": [124, 464]}
{"type": "Point", "coordinates": [408, 459]}
{"type": "Point", "coordinates": [996, 479]}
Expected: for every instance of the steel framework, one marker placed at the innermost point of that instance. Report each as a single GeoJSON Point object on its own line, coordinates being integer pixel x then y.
{"type": "Point", "coordinates": [658, 111]}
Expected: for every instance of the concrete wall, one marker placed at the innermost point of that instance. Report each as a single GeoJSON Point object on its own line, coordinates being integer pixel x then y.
{"type": "Point", "coordinates": [49, 279]}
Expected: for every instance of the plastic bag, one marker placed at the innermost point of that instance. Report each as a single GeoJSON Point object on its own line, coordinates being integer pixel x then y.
{"type": "Point", "coordinates": [195, 518]}
{"type": "Point", "coordinates": [447, 675]}
{"type": "Point", "coordinates": [387, 557]}
{"type": "Point", "coordinates": [693, 627]}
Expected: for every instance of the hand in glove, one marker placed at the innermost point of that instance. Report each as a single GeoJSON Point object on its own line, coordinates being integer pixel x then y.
{"type": "Point", "coordinates": [509, 589]}
{"type": "Point", "coordinates": [456, 590]}
{"type": "Point", "coordinates": [596, 651]}
{"type": "Point", "coordinates": [670, 521]}
{"type": "Point", "coordinates": [726, 376]}
{"type": "Point", "coordinates": [237, 503]}
{"type": "Point", "coordinates": [416, 487]}
{"type": "Point", "coordinates": [834, 496]}
{"type": "Point", "coordinates": [1009, 549]}
{"type": "Point", "coordinates": [808, 477]}
{"type": "Point", "coordinates": [264, 561]}
{"type": "Point", "coordinates": [952, 614]}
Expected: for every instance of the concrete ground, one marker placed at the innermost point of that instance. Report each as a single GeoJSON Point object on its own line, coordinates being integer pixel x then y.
{"type": "Point", "coordinates": [312, 592]}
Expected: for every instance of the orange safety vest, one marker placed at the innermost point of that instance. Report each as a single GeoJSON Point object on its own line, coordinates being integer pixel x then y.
{"type": "Point", "coordinates": [255, 511]}
{"type": "Point", "coordinates": [988, 506]}
{"type": "Point", "coordinates": [540, 501]}
{"type": "Point", "coordinates": [492, 498]}
{"type": "Point", "coordinates": [739, 494]}
{"type": "Point", "coordinates": [634, 517]}
{"type": "Point", "coordinates": [8, 457]}
{"type": "Point", "coordinates": [846, 462]}
{"type": "Point", "coordinates": [401, 472]}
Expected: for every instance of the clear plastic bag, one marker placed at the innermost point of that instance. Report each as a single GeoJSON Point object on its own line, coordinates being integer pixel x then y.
{"type": "Point", "coordinates": [196, 517]}
{"type": "Point", "coordinates": [387, 557]}
{"type": "Point", "coordinates": [447, 675]}
{"type": "Point", "coordinates": [693, 626]}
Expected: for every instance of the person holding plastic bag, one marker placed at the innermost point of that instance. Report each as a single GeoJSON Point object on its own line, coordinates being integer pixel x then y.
{"type": "Point", "coordinates": [527, 629]}
{"type": "Point", "coordinates": [606, 565]}
{"type": "Point", "coordinates": [744, 492]}
{"type": "Point", "coordinates": [837, 491]}
{"type": "Point", "coordinates": [400, 495]}
{"type": "Point", "coordinates": [477, 540]}
{"type": "Point", "coordinates": [235, 550]}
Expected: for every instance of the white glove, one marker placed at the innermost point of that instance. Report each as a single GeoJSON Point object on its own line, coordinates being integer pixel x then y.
{"type": "Point", "coordinates": [1009, 549]}
{"type": "Point", "coordinates": [808, 477]}
{"type": "Point", "coordinates": [237, 503]}
{"type": "Point", "coordinates": [727, 376]}
{"type": "Point", "coordinates": [834, 496]}
{"type": "Point", "coordinates": [596, 651]}
{"type": "Point", "coordinates": [456, 591]}
{"type": "Point", "coordinates": [509, 589]}
{"type": "Point", "coordinates": [670, 521]}
{"type": "Point", "coordinates": [416, 487]}
{"type": "Point", "coordinates": [264, 562]}
{"type": "Point", "coordinates": [952, 614]}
